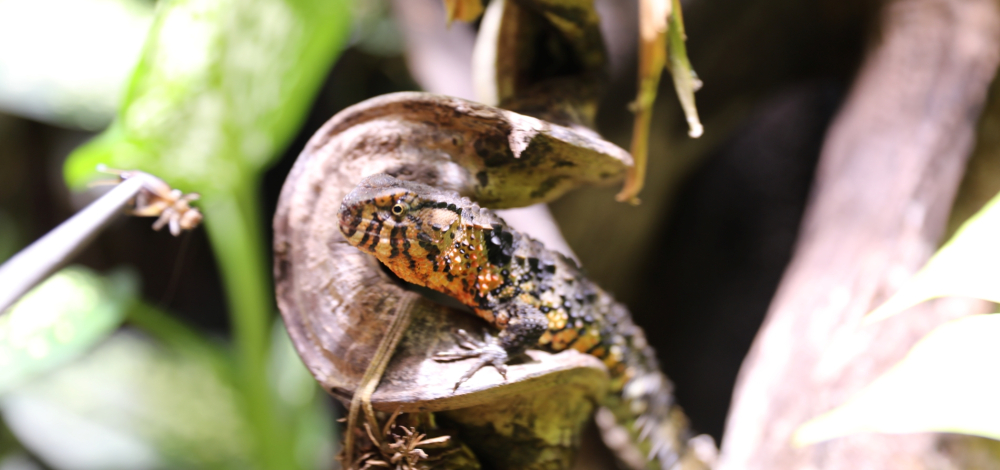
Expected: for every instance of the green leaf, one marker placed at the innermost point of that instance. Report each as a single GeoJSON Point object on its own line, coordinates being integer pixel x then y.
{"type": "Point", "coordinates": [221, 87]}
{"type": "Point", "coordinates": [968, 265]}
{"type": "Point", "coordinates": [60, 319]}
{"type": "Point", "coordinates": [947, 383]}
{"type": "Point", "coordinates": [133, 403]}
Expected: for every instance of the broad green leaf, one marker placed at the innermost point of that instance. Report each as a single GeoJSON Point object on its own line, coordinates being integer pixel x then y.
{"type": "Point", "coordinates": [947, 383]}
{"type": "Point", "coordinates": [968, 265]}
{"type": "Point", "coordinates": [221, 87]}
{"type": "Point", "coordinates": [129, 404]}
{"type": "Point", "coordinates": [60, 319]}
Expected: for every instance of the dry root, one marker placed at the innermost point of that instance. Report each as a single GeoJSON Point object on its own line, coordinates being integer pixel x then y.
{"type": "Point", "coordinates": [406, 446]}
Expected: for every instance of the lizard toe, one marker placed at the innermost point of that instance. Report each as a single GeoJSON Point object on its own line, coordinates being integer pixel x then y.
{"type": "Point", "coordinates": [486, 352]}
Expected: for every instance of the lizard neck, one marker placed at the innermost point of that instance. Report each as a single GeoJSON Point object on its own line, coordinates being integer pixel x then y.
{"type": "Point", "coordinates": [462, 270]}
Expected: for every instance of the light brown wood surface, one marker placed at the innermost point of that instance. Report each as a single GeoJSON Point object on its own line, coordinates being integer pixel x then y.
{"type": "Point", "coordinates": [889, 170]}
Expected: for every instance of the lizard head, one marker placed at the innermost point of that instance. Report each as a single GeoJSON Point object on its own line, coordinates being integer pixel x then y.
{"type": "Point", "coordinates": [390, 218]}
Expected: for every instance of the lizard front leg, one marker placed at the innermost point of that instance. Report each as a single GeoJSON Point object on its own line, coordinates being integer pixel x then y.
{"type": "Point", "coordinates": [525, 327]}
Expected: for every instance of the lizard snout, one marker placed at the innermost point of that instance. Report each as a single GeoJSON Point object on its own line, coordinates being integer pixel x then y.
{"type": "Point", "coordinates": [349, 219]}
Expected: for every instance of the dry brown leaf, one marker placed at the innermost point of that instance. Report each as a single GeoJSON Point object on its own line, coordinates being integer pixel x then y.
{"type": "Point", "coordinates": [462, 10]}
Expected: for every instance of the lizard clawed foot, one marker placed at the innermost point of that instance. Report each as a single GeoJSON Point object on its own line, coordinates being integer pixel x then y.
{"type": "Point", "coordinates": [487, 352]}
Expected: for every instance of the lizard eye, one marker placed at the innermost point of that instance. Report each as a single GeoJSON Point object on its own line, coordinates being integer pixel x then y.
{"type": "Point", "coordinates": [399, 209]}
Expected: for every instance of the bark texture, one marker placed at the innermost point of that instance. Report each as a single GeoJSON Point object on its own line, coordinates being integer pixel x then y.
{"type": "Point", "coordinates": [888, 172]}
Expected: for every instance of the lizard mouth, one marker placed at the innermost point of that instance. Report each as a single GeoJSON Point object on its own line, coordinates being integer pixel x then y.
{"type": "Point", "coordinates": [349, 221]}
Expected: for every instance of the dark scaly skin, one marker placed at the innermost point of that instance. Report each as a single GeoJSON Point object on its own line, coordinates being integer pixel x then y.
{"type": "Point", "coordinates": [536, 297]}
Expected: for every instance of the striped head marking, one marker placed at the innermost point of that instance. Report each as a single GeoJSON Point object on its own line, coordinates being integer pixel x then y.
{"type": "Point", "coordinates": [399, 220]}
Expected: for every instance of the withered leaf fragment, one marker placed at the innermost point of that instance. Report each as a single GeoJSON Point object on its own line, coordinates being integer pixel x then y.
{"type": "Point", "coordinates": [462, 10]}
{"type": "Point", "coordinates": [661, 44]}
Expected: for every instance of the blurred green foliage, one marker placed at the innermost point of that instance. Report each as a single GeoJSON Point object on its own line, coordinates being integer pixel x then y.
{"type": "Point", "coordinates": [948, 381]}
{"type": "Point", "coordinates": [64, 61]}
{"type": "Point", "coordinates": [965, 266]}
{"type": "Point", "coordinates": [156, 406]}
{"type": "Point", "coordinates": [169, 403]}
{"type": "Point", "coordinates": [220, 89]}
{"type": "Point", "coordinates": [59, 319]}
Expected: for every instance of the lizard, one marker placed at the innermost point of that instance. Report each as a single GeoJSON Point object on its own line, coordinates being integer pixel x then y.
{"type": "Point", "coordinates": [536, 297]}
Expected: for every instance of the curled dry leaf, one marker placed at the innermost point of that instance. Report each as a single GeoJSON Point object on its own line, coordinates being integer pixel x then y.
{"type": "Point", "coordinates": [336, 300]}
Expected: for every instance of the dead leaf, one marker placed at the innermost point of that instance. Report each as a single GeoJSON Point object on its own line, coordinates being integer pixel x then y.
{"type": "Point", "coordinates": [462, 10]}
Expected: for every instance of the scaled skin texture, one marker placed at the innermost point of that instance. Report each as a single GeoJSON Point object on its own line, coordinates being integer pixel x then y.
{"type": "Point", "coordinates": [536, 297]}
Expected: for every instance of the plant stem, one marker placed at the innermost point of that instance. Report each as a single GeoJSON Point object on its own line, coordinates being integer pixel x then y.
{"type": "Point", "coordinates": [233, 225]}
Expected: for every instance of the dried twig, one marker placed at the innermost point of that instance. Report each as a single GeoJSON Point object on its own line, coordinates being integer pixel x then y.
{"type": "Point", "coordinates": [661, 38]}
{"type": "Point", "coordinates": [401, 447]}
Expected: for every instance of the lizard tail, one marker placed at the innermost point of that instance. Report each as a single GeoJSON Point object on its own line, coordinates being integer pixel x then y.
{"type": "Point", "coordinates": [641, 423]}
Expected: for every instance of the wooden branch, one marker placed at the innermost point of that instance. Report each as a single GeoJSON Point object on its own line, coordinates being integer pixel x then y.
{"type": "Point", "coordinates": [888, 172]}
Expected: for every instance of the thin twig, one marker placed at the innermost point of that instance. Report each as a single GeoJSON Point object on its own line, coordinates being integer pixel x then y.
{"type": "Point", "coordinates": [373, 374]}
